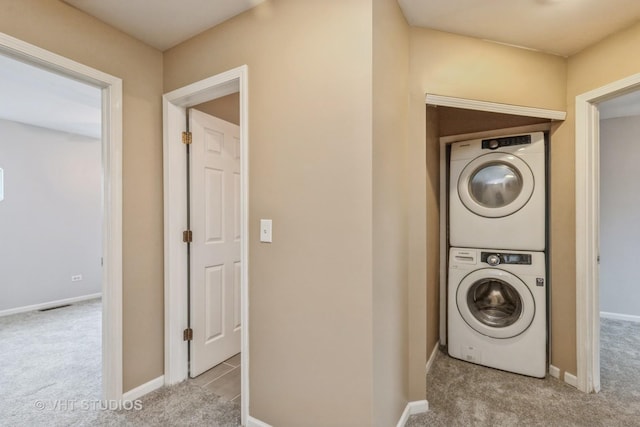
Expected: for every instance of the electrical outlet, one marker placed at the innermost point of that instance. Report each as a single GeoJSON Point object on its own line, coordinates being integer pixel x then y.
{"type": "Point", "coordinates": [76, 278]}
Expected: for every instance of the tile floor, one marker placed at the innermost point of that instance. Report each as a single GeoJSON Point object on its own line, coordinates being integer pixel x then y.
{"type": "Point", "coordinates": [223, 379]}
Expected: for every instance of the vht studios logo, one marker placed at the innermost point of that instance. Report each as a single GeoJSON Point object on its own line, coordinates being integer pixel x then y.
{"type": "Point", "coordinates": [87, 405]}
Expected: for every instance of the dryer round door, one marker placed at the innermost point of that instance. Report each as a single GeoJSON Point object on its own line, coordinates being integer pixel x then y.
{"type": "Point", "coordinates": [495, 303]}
{"type": "Point", "coordinates": [495, 185]}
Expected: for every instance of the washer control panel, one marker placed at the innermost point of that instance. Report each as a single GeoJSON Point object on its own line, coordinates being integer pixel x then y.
{"type": "Point", "coordinates": [497, 258]}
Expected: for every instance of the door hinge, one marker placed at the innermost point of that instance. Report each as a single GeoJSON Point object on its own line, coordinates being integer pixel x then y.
{"type": "Point", "coordinates": [187, 236]}
{"type": "Point", "coordinates": [187, 334]}
{"type": "Point", "coordinates": [186, 137]}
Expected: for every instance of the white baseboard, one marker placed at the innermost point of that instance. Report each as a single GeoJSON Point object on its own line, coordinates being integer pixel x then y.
{"type": "Point", "coordinates": [49, 304]}
{"type": "Point", "coordinates": [571, 379]}
{"type": "Point", "coordinates": [416, 407]}
{"type": "Point", "coordinates": [617, 316]}
{"type": "Point", "coordinates": [412, 408]}
{"type": "Point", "coordinates": [254, 422]}
{"type": "Point", "coordinates": [432, 357]}
{"type": "Point", "coordinates": [143, 389]}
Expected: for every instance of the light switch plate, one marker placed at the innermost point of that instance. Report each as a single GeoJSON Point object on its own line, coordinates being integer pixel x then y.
{"type": "Point", "coordinates": [265, 230]}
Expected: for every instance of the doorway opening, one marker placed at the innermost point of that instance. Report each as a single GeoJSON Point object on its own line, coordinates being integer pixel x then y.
{"type": "Point", "coordinates": [178, 216]}
{"type": "Point", "coordinates": [619, 208]}
{"type": "Point", "coordinates": [50, 151]}
{"type": "Point", "coordinates": [110, 135]}
{"type": "Point", "coordinates": [588, 226]}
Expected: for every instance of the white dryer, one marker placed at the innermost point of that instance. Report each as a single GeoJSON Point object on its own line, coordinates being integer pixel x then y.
{"type": "Point", "coordinates": [497, 193]}
{"type": "Point", "coordinates": [497, 310]}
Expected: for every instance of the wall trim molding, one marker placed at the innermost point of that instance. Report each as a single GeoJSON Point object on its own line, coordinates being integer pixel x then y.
{"type": "Point", "coordinates": [494, 107]}
{"type": "Point", "coordinates": [176, 266]}
{"type": "Point", "coordinates": [144, 389]}
{"type": "Point", "coordinates": [618, 316]}
{"type": "Point", "coordinates": [432, 357]}
{"type": "Point", "coordinates": [112, 197]}
{"type": "Point", "coordinates": [587, 206]}
{"type": "Point", "coordinates": [254, 422]}
{"type": "Point", "coordinates": [571, 379]}
{"type": "Point", "coordinates": [412, 408]}
{"type": "Point", "coordinates": [34, 307]}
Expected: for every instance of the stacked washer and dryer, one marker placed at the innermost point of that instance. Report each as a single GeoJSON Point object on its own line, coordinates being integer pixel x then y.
{"type": "Point", "coordinates": [497, 297]}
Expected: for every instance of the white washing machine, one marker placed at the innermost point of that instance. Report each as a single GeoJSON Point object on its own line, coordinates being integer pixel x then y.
{"type": "Point", "coordinates": [497, 315]}
{"type": "Point", "coordinates": [497, 193]}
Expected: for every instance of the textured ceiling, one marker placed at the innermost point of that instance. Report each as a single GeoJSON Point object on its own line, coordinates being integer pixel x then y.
{"type": "Point", "coordinates": [561, 27]}
{"type": "Point", "coordinates": [622, 106]}
{"type": "Point", "coordinates": [42, 98]}
{"type": "Point", "coordinates": [163, 23]}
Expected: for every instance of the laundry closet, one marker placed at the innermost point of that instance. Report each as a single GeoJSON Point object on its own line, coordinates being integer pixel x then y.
{"type": "Point", "coordinates": [487, 238]}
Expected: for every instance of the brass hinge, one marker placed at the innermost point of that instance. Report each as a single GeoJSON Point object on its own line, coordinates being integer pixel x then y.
{"type": "Point", "coordinates": [187, 334]}
{"type": "Point", "coordinates": [186, 137]}
{"type": "Point", "coordinates": [187, 236]}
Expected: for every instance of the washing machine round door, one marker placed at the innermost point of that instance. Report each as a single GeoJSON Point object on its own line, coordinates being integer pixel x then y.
{"type": "Point", "coordinates": [495, 303]}
{"type": "Point", "coordinates": [495, 185]}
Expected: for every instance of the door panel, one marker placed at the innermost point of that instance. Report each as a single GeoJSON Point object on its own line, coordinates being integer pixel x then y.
{"type": "Point", "coordinates": [476, 320]}
{"type": "Point", "coordinates": [214, 302]}
{"type": "Point", "coordinates": [214, 204]}
{"type": "Point", "coordinates": [236, 295]}
{"type": "Point", "coordinates": [236, 206]}
{"type": "Point", "coordinates": [495, 185]}
{"type": "Point", "coordinates": [215, 249]}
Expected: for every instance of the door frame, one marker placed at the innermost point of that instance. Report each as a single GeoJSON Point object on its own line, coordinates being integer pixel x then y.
{"type": "Point", "coordinates": [111, 196]}
{"type": "Point", "coordinates": [175, 104]}
{"type": "Point", "coordinates": [587, 163]}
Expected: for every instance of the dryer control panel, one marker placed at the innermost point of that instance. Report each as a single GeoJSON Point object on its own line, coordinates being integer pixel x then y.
{"type": "Point", "coordinates": [507, 141]}
{"type": "Point", "coordinates": [496, 258]}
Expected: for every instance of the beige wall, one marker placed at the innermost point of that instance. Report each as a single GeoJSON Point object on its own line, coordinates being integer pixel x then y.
{"type": "Point", "coordinates": [562, 260]}
{"type": "Point", "coordinates": [390, 292]}
{"type": "Point", "coordinates": [310, 97]}
{"type": "Point", "coordinates": [225, 108]}
{"type": "Point", "coordinates": [458, 66]}
{"type": "Point", "coordinates": [57, 27]}
{"type": "Point", "coordinates": [433, 133]}
{"type": "Point", "coordinates": [457, 121]}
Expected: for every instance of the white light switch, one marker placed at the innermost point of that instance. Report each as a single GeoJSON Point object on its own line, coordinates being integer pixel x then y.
{"type": "Point", "coordinates": [265, 230]}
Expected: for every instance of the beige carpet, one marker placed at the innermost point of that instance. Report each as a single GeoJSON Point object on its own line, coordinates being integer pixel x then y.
{"type": "Point", "coordinates": [50, 376]}
{"type": "Point", "coordinates": [48, 356]}
{"type": "Point", "coordinates": [459, 393]}
{"type": "Point", "coordinates": [464, 394]}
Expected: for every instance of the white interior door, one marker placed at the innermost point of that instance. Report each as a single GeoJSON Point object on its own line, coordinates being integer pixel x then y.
{"type": "Point", "coordinates": [215, 249]}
